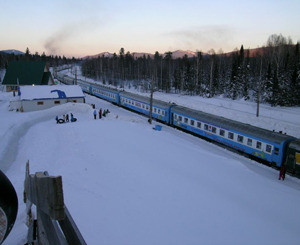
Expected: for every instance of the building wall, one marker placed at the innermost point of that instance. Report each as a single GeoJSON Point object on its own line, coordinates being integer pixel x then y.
{"type": "Point", "coordinates": [14, 105]}
{"type": "Point", "coordinates": [35, 105]}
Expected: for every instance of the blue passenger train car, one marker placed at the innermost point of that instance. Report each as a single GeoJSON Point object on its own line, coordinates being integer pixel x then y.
{"type": "Point", "coordinates": [255, 141]}
{"type": "Point", "coordinates": [270, 146]}
{"type": "Point", "coordinates": [141, 104]}
{"type": "Point", "coordinates": [109, 94]}
{"type": "Point", "coordinates": [84, 86]}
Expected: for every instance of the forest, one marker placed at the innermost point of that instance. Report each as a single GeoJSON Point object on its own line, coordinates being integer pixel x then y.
{"type": "Point", "coordinates": [270, 74]}
{"type": "Point", "coordinates": [51, 60]}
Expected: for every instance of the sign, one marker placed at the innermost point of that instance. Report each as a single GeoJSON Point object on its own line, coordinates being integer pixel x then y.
{"type": "Point", "coordinates": [297, 156]}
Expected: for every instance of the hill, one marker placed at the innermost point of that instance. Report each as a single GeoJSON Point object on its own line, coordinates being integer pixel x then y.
{"type": "Point", "coordinates": [12, 51]}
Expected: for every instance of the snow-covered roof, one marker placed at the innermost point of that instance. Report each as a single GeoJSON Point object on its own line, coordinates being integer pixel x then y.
{"type": "Point", "coordinates": [50, 92]}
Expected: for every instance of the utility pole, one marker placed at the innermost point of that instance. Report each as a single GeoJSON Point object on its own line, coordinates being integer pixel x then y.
{"type": "Point", "coordinates": [211, 78]}
{"type": "Point", "coordinates": [75, 75]}
{"type": "Point", "coordinates": [151, 102]}
{"type": "Point", "coordinates": [258, 89]}
{"type": "Point", "coordinates": [161, 61]}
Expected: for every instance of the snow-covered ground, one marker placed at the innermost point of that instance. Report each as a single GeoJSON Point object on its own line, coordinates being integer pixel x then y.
{"type": "Point", "coordinates": [284, 119]}
{"type": "Point", "coordinates": [125, 183]}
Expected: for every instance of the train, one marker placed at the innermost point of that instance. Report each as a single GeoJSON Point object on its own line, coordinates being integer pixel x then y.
{"type": "Point", "coordinates": [277, 149]}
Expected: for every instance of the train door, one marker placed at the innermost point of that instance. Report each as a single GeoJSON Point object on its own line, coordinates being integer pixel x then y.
{"type": "Point", "coordinates": [293, 158]}
{"type": "Point", "coordinates": [172, 118]}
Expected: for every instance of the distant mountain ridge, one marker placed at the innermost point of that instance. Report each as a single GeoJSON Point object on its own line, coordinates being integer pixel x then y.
{"type": "Point", "coordinates": [12, 51]}
{"type": "Point", "coordinates": [176, 54]}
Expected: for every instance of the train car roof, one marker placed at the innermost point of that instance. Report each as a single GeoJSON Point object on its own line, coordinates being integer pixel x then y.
{"type": "Point", "coordinates": [229, 124]}
{"type": "Point", "coordinates": [295, 145]}
{"type": "Point", "coordinates": [114, 90]}
{"type": "Point", "coordinates": [146, 99]}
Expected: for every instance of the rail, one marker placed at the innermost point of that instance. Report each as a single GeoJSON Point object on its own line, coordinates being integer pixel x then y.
{"type": "Point", "coordinates": [54, 223]}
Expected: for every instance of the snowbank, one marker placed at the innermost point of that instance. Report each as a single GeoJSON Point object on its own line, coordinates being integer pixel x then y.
{"type": "Point", "coordinates": [125, 183]}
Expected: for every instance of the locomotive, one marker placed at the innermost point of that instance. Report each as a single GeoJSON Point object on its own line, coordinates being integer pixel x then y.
{"type": "Point", "coordinates": [274, 148]}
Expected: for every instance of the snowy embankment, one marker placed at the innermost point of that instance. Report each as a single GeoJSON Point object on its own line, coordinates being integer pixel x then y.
{"type": "Point", "coordinates": [125, 183]}
{"type": "Point", "coordinates": [284, 119]}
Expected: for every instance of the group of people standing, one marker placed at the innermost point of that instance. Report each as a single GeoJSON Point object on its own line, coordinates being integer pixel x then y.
{"type": "Point", "coordinates": [66, 118]}
{"type": "Point", "coordinates": [100, 113]}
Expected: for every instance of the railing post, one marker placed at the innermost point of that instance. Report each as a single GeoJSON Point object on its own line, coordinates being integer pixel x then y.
{"type": "Point", "coordinates": [46, 193]}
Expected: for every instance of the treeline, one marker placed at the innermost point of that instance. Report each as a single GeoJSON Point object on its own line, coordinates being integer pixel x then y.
{"type": "Point", "coordinates": [52, 60]}
{"type": "Point", "coordinates": [270, 74]}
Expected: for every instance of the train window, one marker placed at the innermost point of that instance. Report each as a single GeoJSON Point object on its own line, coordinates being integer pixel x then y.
{"type": "Point", "coordinates": [147, 107]}
{"type": "Point", "coordinates": [268, 148]}
{"type": "Point", "coordinates": [158, 111]}
{"type": "Point", "coordinates": [175, 116]}
{"type": "Point", "coordinates": [276, 152]}
{"type": "Point", "coordinates": [258, 145]}
{"type": "Point", "coordinates": [230, 135]}
{"type": "Point", "coordinates": [214, 129]}
{"type": "Point", "coordinates": [249, 142]}
{"type": "Point", "coordinates": [180, 118]}
{"type": "Point", "coordinates": [186, 120]}
{"type": "Point", "coordinates": [40, 102]}
{"type": "Point", "coordinates": [222, 132]}
{"type": "Point", "coordinates": [205, 126]}
{"type": "Point", "coordinates": [163, 113]}
{"type": "Point", "coordinates": [155, 110]}
{"type": "Point", "coordinates": [56, 102]}
{"type": "Point", "coordinates": [240, 138]}
{"type": "Point", "coordinates": [192, 122]}
{"type": "Point", "coordinates": [199, 124]}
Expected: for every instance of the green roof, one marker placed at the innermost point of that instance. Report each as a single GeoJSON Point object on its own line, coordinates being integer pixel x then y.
{"type": "Point", "coordinates": [27, 72]}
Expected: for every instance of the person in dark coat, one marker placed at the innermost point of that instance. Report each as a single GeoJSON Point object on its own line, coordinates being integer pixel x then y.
{"type": "Point", "coordinates": [282, 172]}
{"type": "Point", "coordinates": [67, 118]}
{"type": "Point", "coordinates": [56, 119]}
{"type": "Point", "coordinates": [100, 113]}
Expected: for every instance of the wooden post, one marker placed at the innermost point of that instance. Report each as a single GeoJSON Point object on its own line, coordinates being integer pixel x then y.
{"type": "Point", "coordinates": [47, 194]}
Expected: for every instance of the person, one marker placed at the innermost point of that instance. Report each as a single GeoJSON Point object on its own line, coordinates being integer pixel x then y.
{"type": "Point", "coordinates": [67, 118]}
{"type": "Point", "coordinates": [95, 114]}
{"type": "Point", "coordinates": [282, 172]}
{"type": "Point", "coordinates": [73, 119]}
{"type": "Point", "coordinates": [100, 113]}
{"type": "Point", "coordinates": [64, 117]}
{"type": "Point", "coordinates": [56, 118]}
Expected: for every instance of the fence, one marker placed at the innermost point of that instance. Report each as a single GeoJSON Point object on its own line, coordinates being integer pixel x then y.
{"type": "Point", "coordinates": [54, 224]}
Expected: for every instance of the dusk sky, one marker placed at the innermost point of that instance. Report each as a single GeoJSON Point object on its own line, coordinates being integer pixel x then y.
{"type": "Point", "coordinates": [88, 27]}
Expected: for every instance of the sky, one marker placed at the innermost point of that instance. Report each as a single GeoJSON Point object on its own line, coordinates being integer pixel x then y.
{"type": "Point", "coordinates": [87, 27]}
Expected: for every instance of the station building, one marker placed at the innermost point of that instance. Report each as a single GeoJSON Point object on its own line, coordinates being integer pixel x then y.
{"type": "Point", "coordinates": [22, 73]}
{"type": "Point", "coordinates": [34, 98]}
